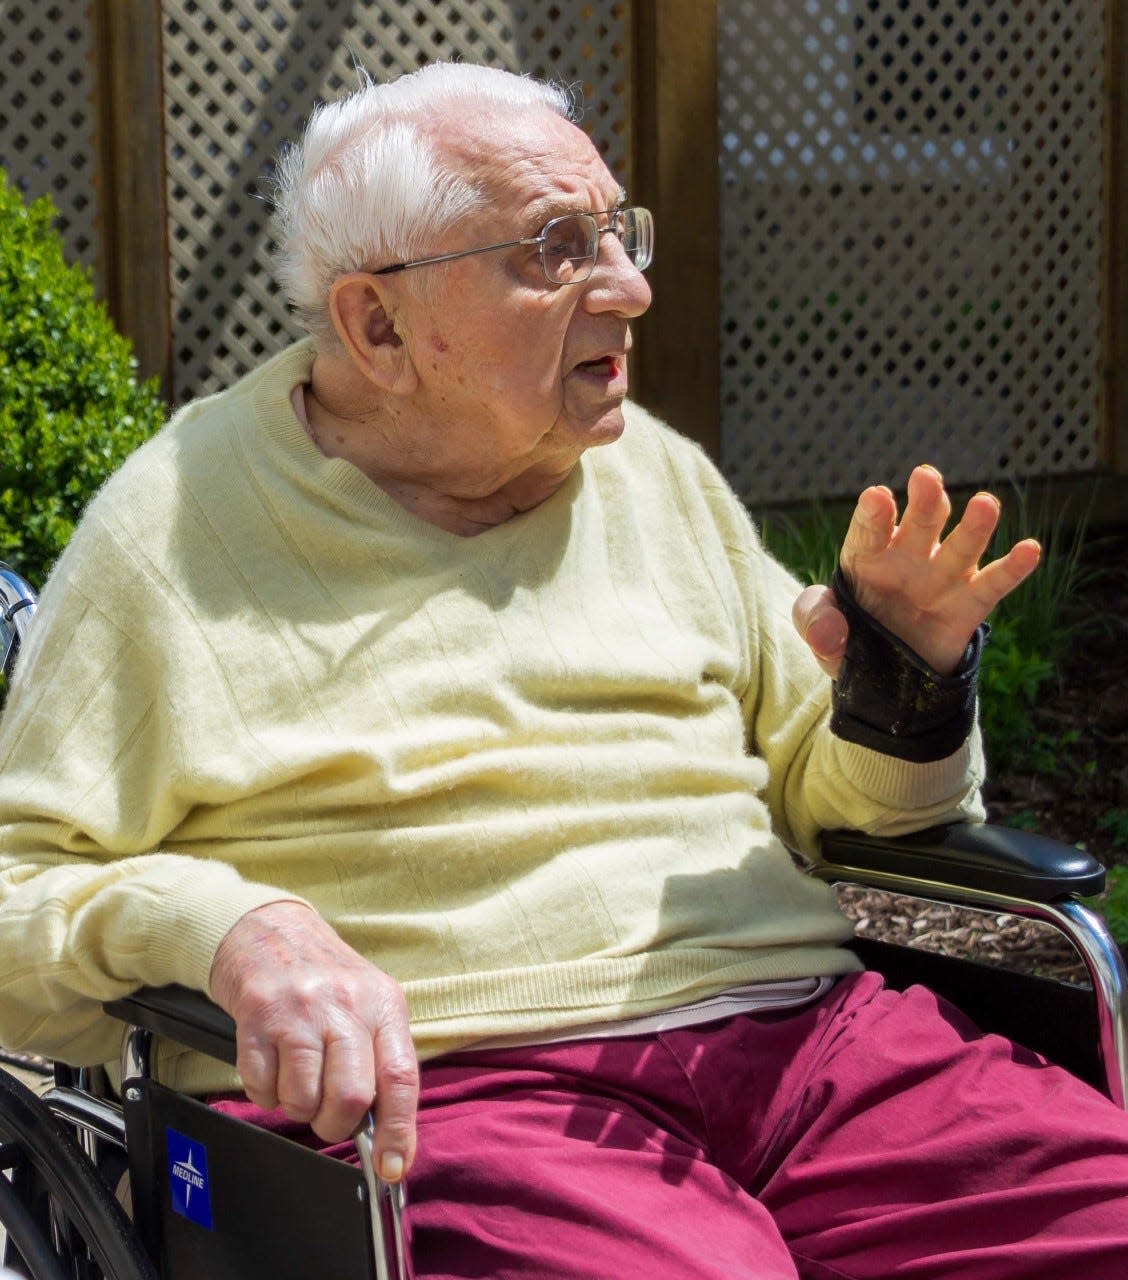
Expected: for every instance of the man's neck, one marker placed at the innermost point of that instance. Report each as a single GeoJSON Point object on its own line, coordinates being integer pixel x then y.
{"type": "Point", "coordinates": [383, 446]}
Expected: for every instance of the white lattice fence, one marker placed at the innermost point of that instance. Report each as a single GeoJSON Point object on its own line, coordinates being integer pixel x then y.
{"type": "Point", "coordinates": [911, 233]}
{"type": "Point", "coordinates": [240, 78]}
{"type": "Point", "coordinates": [47, 138]}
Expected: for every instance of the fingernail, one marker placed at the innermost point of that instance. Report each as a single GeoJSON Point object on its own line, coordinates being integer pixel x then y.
{"type": "Point", "coordinates": [827, 635]}
{"type": "Point", "coordinates": [391, 1166]}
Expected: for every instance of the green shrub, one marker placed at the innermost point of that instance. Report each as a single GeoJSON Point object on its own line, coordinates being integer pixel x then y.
{"type": "Point", "coordinates": [71, 407]}
{"type": "Point", "coordinates": [1113, 903]}
{"type": "Point", "coordinates": [1033, 630]}
{"type": "Point", "coordinates": [1115, 822]}
{"type": "Point", "coordinates": [1011, 678]}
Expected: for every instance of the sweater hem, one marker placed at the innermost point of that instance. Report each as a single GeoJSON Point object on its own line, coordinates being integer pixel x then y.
{"type": "Point", "coordinates": [453, 1014]}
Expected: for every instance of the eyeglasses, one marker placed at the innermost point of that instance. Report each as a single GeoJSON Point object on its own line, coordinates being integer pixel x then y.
{"type": "Point", "coordinates": [569, 245]}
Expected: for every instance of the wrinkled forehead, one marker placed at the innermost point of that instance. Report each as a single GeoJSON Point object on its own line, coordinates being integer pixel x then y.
{"type": "Point", "coordinates": [531, 163]}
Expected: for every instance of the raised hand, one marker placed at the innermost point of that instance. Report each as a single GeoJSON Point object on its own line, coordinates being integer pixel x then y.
{"type": "Point", "coordinates": [926, 588]}
{"type": "Point", "coordinates": [320, 1031]}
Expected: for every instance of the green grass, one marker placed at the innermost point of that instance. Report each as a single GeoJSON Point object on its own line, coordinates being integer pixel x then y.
{"type": "Point", "coordinates": [807, 542]}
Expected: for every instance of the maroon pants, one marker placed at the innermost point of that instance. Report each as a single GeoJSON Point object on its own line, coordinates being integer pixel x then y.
{"type": "Point", "coordinates": [870, 1135]}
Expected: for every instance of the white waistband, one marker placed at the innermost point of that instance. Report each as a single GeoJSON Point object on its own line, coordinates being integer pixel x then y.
{"type": "Point", "coordinates": [757, 997]}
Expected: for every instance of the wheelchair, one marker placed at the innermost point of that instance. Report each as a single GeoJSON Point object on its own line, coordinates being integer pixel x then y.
{"type": "Point", "coordinates": [214, 1197]}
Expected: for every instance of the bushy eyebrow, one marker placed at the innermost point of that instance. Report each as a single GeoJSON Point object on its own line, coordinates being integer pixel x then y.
{"type": "Point", "coordinates": [542, 213]}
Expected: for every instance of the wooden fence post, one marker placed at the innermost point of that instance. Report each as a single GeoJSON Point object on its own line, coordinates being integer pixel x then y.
{"type": "Point", "coordinates": [132, 156]}
{"type": "Point", "coordinates": [1114, 444]}
{"type": "Point", "coordinates": [675, 174]}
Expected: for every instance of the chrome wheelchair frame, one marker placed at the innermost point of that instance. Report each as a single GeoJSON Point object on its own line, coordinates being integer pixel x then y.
{"type": "Point", "coordinates": [17, 605]}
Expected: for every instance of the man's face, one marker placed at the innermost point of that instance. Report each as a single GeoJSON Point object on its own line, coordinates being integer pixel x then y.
{"type": "Point", "coordinates": [512, 369]}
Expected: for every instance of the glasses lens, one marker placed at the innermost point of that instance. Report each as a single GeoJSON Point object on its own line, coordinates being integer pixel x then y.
{"type": "Point", "coordinates": [569, 248]}
{"type": "Point", "coordinates": [637, 235]}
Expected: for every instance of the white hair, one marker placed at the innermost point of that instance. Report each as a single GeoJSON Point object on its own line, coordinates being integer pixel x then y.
{"type": "Point", "coordinates": [364, 185]}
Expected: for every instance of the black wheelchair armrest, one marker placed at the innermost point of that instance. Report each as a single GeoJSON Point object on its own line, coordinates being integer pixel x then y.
{"type": "Point", "coordinates": [188, 1017]}
{"type": "Point", "coordinates": [970, 856]}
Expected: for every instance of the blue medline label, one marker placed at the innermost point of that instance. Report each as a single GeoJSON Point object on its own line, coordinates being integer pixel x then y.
{"type": "Point", "coordinates": [188, 1178]}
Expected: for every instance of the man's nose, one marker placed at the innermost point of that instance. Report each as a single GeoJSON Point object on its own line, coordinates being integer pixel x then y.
{"type": "Point", "coordinates": [616, 284]}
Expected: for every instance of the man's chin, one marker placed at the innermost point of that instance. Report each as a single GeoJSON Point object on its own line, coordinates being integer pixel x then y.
{"type": "Point", "coordinates": [608, 429]}
{"type": "Point", "coordinates": [601, 428]}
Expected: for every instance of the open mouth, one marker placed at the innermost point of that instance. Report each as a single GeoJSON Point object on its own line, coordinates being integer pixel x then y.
{"type": "Point", "coordinates": [607, 366]}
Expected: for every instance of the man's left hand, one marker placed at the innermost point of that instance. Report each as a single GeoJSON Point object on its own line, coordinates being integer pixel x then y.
{"type": "Point", "coordinates": [928, 590]}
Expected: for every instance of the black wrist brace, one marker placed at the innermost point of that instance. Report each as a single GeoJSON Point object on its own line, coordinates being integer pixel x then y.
{"type": "Point", "coordinates": [888, 698]}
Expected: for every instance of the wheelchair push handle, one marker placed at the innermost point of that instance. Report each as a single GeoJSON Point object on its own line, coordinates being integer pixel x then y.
{"type": "Point", "coordinates": [191, 1019]}
{"type": "Point", "coordinates": [391, 1232]}
{"type": "Point", "coordinates": [17, 605]}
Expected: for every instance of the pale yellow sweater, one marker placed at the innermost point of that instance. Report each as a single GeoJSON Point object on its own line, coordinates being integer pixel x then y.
{"type": "Point", "coordinates": [531, 774]}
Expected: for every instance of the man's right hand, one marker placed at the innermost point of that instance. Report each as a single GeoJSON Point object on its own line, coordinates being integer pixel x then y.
{"type": "Point", "coordinates": [320, 1031]}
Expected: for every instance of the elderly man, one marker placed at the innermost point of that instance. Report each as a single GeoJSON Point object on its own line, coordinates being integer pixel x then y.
{"type": "Point", "coordinates": [376, 700]}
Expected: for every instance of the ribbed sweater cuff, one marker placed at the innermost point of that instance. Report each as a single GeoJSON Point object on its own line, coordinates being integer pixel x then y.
{"type": "Point", "coordinates": [181, 949]}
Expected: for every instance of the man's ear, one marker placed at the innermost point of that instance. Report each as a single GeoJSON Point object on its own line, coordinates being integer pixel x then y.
{"type": "Point", "coordinates": [362, 310]}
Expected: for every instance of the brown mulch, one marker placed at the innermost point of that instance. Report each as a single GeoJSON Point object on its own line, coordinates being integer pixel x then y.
{"type": "Point", "coordinates": [1087, 712]}
{"type": "Point", "coordinates": [1010, 942]}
